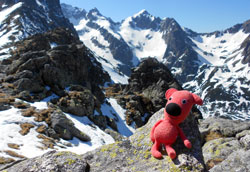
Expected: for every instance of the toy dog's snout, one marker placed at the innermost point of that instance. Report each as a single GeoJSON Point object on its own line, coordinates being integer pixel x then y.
{"type": "Point", "coordinates": [173, 109]}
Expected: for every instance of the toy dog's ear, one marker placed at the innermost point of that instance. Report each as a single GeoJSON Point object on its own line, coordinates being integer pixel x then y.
{"type": "Point", "coordinates": [169, 92]}
{"type": "Point", "coordinates": [197, 99]}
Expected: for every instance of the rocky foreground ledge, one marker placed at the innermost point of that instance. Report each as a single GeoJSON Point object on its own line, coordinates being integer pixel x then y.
{"type": "Point", "coordinates": [218, 145]}
{"type": "Point", "coordinates": [132, 154]}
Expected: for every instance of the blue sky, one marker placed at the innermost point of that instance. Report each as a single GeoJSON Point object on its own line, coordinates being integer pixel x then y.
{"type": "Point", "coordinates": [198, 15]}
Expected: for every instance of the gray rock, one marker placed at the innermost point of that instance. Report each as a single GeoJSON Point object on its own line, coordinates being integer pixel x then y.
{"type": "Point", "coordinates": [220, 127]}
{"type": "Point", "coordinates": [65, 128]}
{"type": "Point", "coordinates": [237, 161]}
{"type": "Point", "coordinates": [244, 138]}
{"type": "Point", "coordinates": [134, 154]}
{"type": "Point", "coordinates": [52, 161]}
{"type": "Point", "coordinates": [27, 84]}
{"type": "Point", "coordinates": [80, 103]}
{"type": "Point", "coordinates": [217, 150]}
{"type": "Point", "coordinates": [116, 136]}
{"type": "Point", "coordinates": [224, 138]}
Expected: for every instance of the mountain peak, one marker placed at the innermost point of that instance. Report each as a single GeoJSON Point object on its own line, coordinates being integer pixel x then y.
{"type": "Point", "coordinates": [143, 12]}
{"type": "Point", "coordinates": [94, 14]}
{"type": "Point", "coordinates": [95, 11]}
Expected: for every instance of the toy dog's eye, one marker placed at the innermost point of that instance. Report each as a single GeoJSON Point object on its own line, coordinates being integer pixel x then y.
{"type": "Point", "coordinates": [170, 98]}
{"type": "Point", "coordinates": [184, 101]}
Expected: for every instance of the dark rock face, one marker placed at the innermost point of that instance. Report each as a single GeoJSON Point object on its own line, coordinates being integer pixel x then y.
{"type": "Point", "coordinates": [76, 13]}
{"type": "Point", "coordinates": [52, 161]}
{"type": "Point", "coordinates": [179, 53]}
{"type": "Point", "coordinates": [246, 51]}
{"type": "Point", "coordinates": [134, 154]}
{"type": "Point", "coordinates": [224, 140]}
{"type": "Point", "coordinates": [144, 95]}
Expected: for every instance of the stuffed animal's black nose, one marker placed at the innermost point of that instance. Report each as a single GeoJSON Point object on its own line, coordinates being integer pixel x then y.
{"type": "Point", "coordinates": [173, 109]}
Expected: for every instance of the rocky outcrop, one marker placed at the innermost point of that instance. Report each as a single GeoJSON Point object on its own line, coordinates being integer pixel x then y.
{"type": "Point", "coordinates": [225, 141]}
{"type": "Point", "coordinates": [225, 148]}
{"type": "Point", "coordinates": [50, 62]}
{"type": "Point", "coordinates": [134, 153]}
{"type": "Point", "coordinates": [145, 92]}
{"type": "Point", "coordinates": [54, 64]}
{"type": "Point", "coordinates": [80, 103]}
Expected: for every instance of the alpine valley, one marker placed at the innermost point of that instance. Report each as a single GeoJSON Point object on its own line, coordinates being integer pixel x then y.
{"type": "Point", "coordinates": [74, 80]}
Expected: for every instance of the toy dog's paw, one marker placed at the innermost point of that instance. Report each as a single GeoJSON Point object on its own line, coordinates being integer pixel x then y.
{"type": "Point", "coordinates": [172, 155]}
{"type": "Point", "coordinates": [156, 154]}
{"type": "Point", "coordinates": [188, 144]}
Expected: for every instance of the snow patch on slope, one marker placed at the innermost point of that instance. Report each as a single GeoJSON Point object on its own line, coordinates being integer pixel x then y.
{"type": "Point", "coordinates": [30, 144]}
{"type": "Point", "coordinates": [144, 43]}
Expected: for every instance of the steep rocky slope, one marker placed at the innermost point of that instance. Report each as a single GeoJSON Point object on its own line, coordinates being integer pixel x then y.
{"type": "Point", "coordinates": [48, 76]}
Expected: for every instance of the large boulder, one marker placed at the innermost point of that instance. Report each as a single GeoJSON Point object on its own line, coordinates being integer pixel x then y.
{"type": "Point", "coordinates": [80, 103]}
{"type": "Point", "coordinates": [134, 154]}
{"type": "Point", "coordinates": [66, 128]}
{"type": "Point", "coordinates": [237, 161]}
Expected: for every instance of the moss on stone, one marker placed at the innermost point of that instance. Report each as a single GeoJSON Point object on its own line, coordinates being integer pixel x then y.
{"type": "Point", "coordinates": [70, 161]}
{"type": "Point", "coordinates": [113, 154]}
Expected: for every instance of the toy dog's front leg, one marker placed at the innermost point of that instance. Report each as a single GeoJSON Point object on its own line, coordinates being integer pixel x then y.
{"type": "Point", "coordinates": [152, 137]}
{"type": "Point", "coordinates": [187, 143]}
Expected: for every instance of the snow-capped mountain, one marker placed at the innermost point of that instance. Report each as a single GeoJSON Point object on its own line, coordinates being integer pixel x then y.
{"type": "Point", "coordinates": [214, 65]}
{"type": "Point", "coordinates": [140, 36]}
{"type": "Point", "coordinates": [223, 80]}
{"type": "Point", "coordinates": [22, 18]}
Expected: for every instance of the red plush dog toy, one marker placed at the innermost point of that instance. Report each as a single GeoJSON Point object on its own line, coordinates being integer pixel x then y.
{"type": "Point", "coordinates": [165, 131]}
